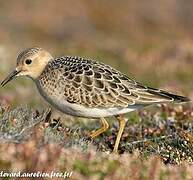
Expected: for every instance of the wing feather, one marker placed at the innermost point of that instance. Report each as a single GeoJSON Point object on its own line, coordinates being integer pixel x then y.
{"type": "Point", "coordinates": [95, 84]}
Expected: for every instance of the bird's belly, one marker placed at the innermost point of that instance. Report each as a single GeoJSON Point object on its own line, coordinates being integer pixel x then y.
{"type": "Point", "coordinates": [80, 110]}
{"type": "Point", "coordinates": [83, 111]}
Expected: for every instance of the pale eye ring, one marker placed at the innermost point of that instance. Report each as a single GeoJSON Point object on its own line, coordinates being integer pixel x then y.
{"type": "Point", "coordinates": [28, 61]}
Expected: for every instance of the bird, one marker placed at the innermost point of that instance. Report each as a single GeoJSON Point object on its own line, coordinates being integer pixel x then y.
{"type": "Point", "coordinates": [84, 87]}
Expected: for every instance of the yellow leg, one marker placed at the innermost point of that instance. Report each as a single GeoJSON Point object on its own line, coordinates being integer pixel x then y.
{"type": "Point", "coordinates": [122, 123]}
{"type": "Point", "coordinates": [104, 127]}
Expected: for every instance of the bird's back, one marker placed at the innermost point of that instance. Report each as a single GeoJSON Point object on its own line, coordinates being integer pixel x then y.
{"type": "Point", "coordinates": [89, 84]}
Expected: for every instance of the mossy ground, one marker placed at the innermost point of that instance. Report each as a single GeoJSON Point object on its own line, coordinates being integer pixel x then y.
{"type": "Point", "coordinates": [154, 144]}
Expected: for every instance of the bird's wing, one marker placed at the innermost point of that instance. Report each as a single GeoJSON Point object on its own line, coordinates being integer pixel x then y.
{"type": "Point", "coordinates": [95, 84]}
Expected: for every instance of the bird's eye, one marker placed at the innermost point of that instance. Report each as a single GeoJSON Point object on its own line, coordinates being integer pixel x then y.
{"type": "Point", "coordinates": [28, 61]}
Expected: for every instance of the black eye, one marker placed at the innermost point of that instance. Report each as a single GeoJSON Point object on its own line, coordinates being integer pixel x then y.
{"type": "Point", "coordinates": [28, 61]}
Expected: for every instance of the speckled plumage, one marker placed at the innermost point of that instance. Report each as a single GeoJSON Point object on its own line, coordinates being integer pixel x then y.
{"type": "Point", "coordinates": [86, 88]}
{"type": "Point", "coordinates": [96, 85]}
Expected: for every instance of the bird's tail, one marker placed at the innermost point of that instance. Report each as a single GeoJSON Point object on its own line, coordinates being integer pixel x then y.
{"type": "Point", "coordinates": [169, 96]}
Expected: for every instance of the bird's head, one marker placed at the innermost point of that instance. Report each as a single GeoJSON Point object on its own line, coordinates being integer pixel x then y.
{"type": "Point", "coordinates": [30, 62]}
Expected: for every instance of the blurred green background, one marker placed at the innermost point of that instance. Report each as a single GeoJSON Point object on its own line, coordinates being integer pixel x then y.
{"type": "Point", "coordinates": [149, 40]}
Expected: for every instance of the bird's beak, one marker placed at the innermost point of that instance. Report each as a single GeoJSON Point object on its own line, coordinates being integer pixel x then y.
{"type": "Point", "coordinates": [11, 76]}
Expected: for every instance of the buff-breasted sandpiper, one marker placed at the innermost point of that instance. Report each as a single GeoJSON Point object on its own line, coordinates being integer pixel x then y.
{"type": "Point", "coordinates": [87, 88]}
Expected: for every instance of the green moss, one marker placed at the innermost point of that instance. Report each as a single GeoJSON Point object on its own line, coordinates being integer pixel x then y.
{"type": "Point", "coordinates": [133, 118]}
{"type": "Point", "coordinates": [164, 174]}
{"type": "Point", "coordinates": [82, 167]}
